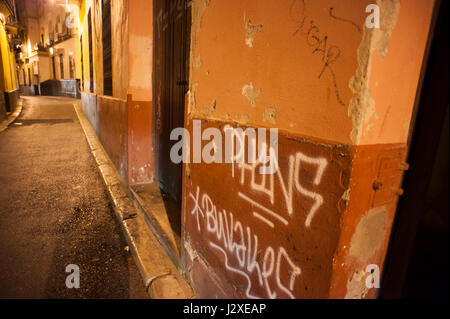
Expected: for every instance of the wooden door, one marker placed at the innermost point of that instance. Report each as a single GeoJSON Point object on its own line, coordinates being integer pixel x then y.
{"type": "Point", "coordinates": [171, 34]}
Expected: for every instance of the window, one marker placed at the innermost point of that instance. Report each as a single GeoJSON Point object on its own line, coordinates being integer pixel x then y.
{"type": "Point", "coordinates": [106, 41]}
{"type": "Point", "coordinates": [91, 65]}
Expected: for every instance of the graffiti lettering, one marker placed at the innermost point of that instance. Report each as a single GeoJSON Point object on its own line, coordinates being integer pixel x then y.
{"type": "Point", "coordinates": [242, 249]}
{"type": "Point", "coordinates": [319, 42]}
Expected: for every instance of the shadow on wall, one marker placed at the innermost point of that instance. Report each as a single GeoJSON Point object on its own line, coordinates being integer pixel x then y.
{"type": "Point", "coordinates": [69, 88]}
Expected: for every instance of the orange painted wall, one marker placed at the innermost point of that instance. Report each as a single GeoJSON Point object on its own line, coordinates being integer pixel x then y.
{"type": "Point", "coordinates": [264, 47]}
{"type": "Point", "coordinates": [281, 63]}
{"type": "Point", "coordinates": [394, 79]}
{"type": "Point", "coordinates": [140, 67]}
{"type": "Point", "coordinates": [264, 64]}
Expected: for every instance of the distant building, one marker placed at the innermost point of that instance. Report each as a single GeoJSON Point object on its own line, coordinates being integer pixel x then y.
{"type": "Point", "coordinates": [51, 48]}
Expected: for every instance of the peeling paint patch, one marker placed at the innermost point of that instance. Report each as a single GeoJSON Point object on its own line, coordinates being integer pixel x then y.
{"type": "Point", "coordinates": [188, 171]}
{"type": "Point", "coordinates": [197, 62]}
{"type": "Point", "coordinates": [249, 92]}
{"type": "Point", "coordinates": [244, 119]}
{"type": "Point", "coordinates": [250, 32]}
{"type": "Point", "coordinates": [356, 285]}
{"type": "Point", "coordinates": [362, 106]}
{"type": "Point", "coordinates": [270, 115]}
{"type": "Point", "coordinates": [368, 128]}
{"type": "Point", "coordinates": [369, 235]}
{"type": "Point", "coordinates": [191, 98]}
{"type": "Point", "coordinates": [390, 11]}
{"type": "Point", "coordinates": [208, 111]}
{"type": "Point", "coordinates": [346, 195]}
{"type": "Point", "coordinates": [198, 7]}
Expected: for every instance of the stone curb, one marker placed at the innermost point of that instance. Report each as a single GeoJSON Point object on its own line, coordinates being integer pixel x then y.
{"type": "Point", "coordinates": [161, 277]}
{"type": "Point", "coordinates": [12, 117]}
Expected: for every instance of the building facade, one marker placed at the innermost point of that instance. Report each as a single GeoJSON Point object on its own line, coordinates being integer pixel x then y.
{"type": "Point", "coordinates": [337, 88]}
{"type": "Point", "coordinates": [116, 81]}
{"type": "Point", "coordinates": [50, 53]}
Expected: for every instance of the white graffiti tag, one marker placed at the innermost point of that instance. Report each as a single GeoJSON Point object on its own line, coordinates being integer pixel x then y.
{"type": "Point", "coordinates": [240, 247]}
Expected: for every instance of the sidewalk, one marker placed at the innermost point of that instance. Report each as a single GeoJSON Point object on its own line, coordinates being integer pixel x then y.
{"type": "Point", "coordinates": [54, 211]}
{"type": "Point", "coordinates": [161, 277]}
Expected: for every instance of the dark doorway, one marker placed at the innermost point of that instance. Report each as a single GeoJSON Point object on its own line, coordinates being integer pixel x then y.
{"type": "Point", "coordinates": [417, 262]}
{"type": "Point", "coordinates": [106, 41]}
{"type": "Point", "coordinates": [171, 65]}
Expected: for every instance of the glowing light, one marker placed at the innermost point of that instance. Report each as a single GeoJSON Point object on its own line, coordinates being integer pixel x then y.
{"type": "Point", "coordinates": [51, 51]}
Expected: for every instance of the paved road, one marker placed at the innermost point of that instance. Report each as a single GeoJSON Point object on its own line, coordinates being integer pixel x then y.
{"type": "Point", "coordinates": [54, 211]}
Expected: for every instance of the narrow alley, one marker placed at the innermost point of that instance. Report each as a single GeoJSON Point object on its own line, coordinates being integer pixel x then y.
{"type": "Point", "coordinates": [54, 211]}
{"type": "Point", "coordinates": [220, 149]}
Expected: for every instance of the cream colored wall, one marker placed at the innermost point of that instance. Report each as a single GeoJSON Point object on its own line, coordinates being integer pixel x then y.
{"type": "Point", "coordinates": [44, 68]}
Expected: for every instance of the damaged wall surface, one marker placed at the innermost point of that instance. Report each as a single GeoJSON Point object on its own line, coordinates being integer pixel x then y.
{"type": "Point", "coordinates": [123, 120]}
{"type": "Point", "coordinates": [336, 91]}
